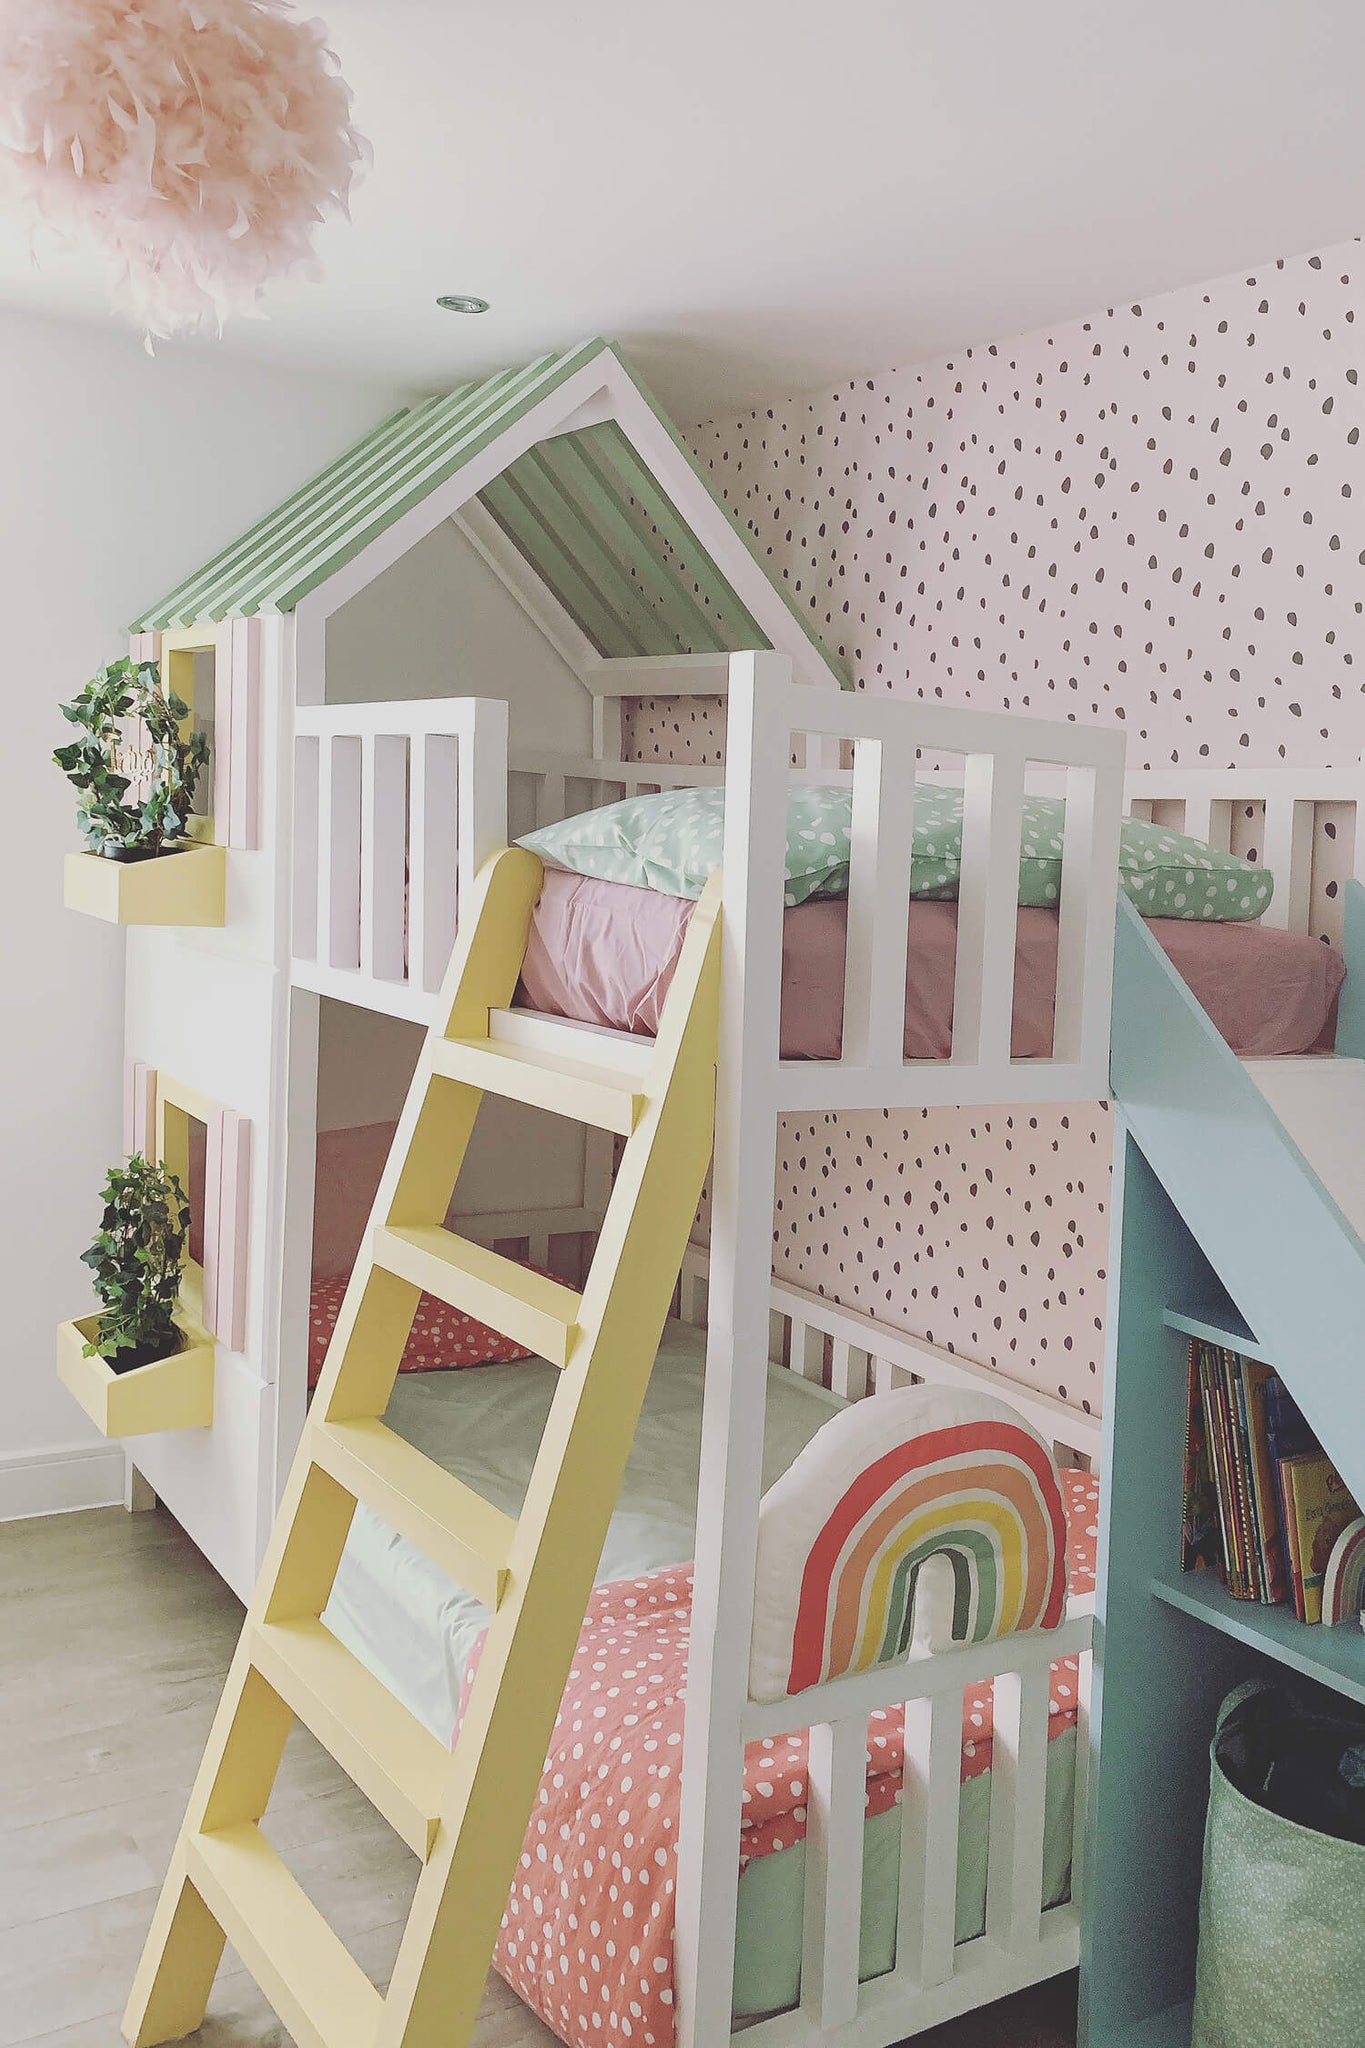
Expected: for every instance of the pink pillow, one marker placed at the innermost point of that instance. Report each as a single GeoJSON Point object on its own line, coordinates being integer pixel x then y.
{"type": "Point", "coordinates": [441, 1337]}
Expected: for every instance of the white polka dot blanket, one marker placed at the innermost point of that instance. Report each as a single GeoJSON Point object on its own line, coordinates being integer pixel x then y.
{"type": "Point", "coordinates": [587, 1938]}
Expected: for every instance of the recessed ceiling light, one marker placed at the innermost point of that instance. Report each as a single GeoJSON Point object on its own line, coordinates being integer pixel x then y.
{"type": "Point", "coordinates": [461, 302]}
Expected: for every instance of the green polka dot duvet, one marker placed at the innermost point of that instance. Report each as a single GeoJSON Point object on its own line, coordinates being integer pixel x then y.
{"type": "Point", "coordinates": [672, 841]}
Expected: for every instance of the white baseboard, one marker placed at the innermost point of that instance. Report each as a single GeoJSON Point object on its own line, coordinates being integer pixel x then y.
{"type": "Point", "coordinates": [61, 1481]}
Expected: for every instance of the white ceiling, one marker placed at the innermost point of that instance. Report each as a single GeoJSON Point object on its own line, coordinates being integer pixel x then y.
{"type": "Point", "coordinates": [760, 196]}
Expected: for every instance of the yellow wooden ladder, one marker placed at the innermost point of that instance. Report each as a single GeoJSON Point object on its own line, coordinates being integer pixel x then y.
{"type": "Point", "coordinates": [464, 1813]}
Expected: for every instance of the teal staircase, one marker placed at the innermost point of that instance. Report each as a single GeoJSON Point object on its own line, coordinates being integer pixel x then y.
{"type": "Point", "coordinates": [1239, 1213]}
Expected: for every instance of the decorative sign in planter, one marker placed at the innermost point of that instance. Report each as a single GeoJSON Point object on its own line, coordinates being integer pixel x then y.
{"type": "Point", "coordinates": [135, 762]}
{"type": "Point", "coordinates": [171, 1393]}
{"type": "Point", "coordinates": [184, 887]}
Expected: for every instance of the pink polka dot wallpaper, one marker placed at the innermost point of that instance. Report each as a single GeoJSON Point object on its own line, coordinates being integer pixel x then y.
{"type": "Point", "coordinates": [1152, 518]}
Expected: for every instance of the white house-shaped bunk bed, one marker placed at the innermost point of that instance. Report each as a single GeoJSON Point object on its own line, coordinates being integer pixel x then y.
{"type": "Point", "coordinates": [510, 561]}
{"type": "Point", "coordinates": [422, 652]}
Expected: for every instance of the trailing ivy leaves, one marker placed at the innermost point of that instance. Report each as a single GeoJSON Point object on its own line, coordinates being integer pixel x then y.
{"type": "Point", "coordinates": [168, 768]}
{"type": "Point", "coordinates": [136, 1260]}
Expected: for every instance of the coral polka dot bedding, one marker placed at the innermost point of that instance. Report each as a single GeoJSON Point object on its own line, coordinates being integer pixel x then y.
{"type": "Point", "coordinates": [441, 1336]}
{"type": "Point", "coordinates": [600, 1852]}
{"type": "Point", "coordinates": [587, 1938]}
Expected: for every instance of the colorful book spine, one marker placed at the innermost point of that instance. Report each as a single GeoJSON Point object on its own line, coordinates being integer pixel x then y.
{"type": "Point", "coordinates": [1241, 1424]}
{"type": "Point", "coordinates": [1239, 1458]}
{"type": "Point", "coordinates": [1199, 1532]}
{"type": "Point", "coordinates": [1265, 1482]}
{"type": "Point", "coordinates": [1216, 1419]}
{"type": "Point", "coordinates": [1320, 1507]}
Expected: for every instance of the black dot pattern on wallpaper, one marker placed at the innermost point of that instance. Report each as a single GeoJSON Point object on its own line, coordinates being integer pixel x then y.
{"type": "Point", "coordinates": [1153, 517]}
{"type": "Point", "coordinates": [982, 1231]}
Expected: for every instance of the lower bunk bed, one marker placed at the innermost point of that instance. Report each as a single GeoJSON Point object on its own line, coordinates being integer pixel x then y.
{"type": "Point", "coordinates": [587, 1940]}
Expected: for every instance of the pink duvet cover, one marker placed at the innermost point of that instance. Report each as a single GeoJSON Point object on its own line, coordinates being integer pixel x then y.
{"type": "Point", "coordinates": [604, 953]}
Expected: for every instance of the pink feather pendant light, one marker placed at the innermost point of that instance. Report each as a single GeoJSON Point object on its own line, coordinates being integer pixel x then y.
{"type": "Point", "coordinates": [195, 144]}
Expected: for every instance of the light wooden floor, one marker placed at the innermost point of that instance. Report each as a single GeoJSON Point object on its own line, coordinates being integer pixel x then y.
{"type": "Point", "coordinates": [114, 1638]}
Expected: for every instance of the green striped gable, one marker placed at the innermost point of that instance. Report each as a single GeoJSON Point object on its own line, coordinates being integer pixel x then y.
{"type": "Point", "coordinates": [583, 509]}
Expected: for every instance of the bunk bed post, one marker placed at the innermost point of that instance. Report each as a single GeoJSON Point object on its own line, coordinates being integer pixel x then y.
{"type": "Point", "coordinates": [737, 1346]}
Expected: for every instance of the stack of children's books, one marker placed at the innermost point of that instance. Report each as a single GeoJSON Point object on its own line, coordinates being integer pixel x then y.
{"type": "Point", "coordinates": [1263, 1503]}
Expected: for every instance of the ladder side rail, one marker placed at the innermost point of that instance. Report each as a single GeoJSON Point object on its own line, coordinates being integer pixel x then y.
{"type": "Point", "coordinates": [733, 1411]}
{"type": "Point", "coordinates": [171, 1988]}
{"type": "Point", "coordinates": [510, 1711]}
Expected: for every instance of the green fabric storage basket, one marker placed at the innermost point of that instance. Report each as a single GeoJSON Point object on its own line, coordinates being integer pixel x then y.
{"type": "Point", "coordinates": [1281, 1909]}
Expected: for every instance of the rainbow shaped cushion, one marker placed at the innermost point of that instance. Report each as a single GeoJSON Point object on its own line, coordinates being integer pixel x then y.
{"type": "Point", "coordinates": [885, 1486]}
{"type": "Point", "coordinates": [1343, 1588]}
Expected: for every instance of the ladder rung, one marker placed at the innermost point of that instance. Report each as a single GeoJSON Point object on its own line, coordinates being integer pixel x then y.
{"type": "Point", "coordinates": [565, 1038]}
{"type": "Point", "coordinates": [568, 1087]}
{"type": "Point", "coordinates": [305, 1969]}
{"type": "Point", "coordinates": [396, 1762]}
{"type": "Point", "coordinates": [448, 1521]}
{"type": "Point", "coordinates": [526, 1306]}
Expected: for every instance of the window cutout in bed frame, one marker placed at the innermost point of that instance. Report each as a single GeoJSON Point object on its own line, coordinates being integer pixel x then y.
{"type": "Point", "coordinates": [180, 1143]}
{"type": "Point", "coordinates": [209, 1148]}
{"type": "Point", "coordinates": [189, 659]}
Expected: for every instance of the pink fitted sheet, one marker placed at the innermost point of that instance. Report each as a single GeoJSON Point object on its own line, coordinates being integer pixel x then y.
{"type": "Point", "coordinates": [604, 953]}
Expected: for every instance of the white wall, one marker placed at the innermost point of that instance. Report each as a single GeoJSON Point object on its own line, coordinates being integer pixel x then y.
{"type": "Point", "coordinates": [439, 623]}
{"type": "Point", "coordinates": [118, 474]}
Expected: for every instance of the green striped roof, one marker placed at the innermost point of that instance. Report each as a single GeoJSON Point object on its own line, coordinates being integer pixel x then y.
{"type": "Point", "coordinates": [583, 509]}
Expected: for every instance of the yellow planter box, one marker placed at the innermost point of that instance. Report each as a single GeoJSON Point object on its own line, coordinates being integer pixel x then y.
{"type": "Point", "coordinates": [189, 887]}
{"type": "Point", "coordinates": [172, 1393]}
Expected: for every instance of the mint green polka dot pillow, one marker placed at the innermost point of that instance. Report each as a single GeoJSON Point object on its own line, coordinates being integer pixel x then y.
{"type": "Point", "coordinates": [672, 841]}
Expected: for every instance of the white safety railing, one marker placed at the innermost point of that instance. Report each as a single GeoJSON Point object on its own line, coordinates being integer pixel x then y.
{"type": "Point", "coordinates": [395, 808]}
{"type": "Point", "coordinates": [1000, 756]}
{"type": "Point", "coordinates": [1300, 823]}
{"type": "Point", "coordinates": [933, 1976]}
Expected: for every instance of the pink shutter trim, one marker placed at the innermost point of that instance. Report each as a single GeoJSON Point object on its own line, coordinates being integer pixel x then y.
{"type": "Point", "coordinates": [246, 733]}
{"type": "Point", "coordinates": [222, 733]}
{"type": "Point", "coordinates": [237, 733]}
{"type": "Point", "coordinates": [139, 1106]}
{"type": "Point", "coordinates": [227, 1191]}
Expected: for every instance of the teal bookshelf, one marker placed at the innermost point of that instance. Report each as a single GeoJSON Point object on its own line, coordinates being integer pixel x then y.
{"type": "Point", "coordinates": [1227, 1228]}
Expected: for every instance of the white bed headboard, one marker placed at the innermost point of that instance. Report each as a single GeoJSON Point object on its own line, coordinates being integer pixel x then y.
{"type": "Point", "coordinates": [856, 1355]}
{"type": "Point", "coordinates": [1299, 822]}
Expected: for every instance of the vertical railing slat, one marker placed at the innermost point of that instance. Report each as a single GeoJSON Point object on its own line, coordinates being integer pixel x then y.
{"type": "Point", "coordinates": [926, 1916]}
{"type": "Point", "coordinates": [339, 850]}
{"type": "Point", "coordinates": [1288, 855]}
{"type": "Point", "coordinates": [481, 804]}
{"type": "Point", "coordinates": [1014, 1871]}
{"type": "Point", "coordinates": [434, 884]}
{"type": "Point", "coordinates": [385, 833]}
{"type": "Point", "coordinates": [1085, 921]}
{"type": "Point", "coordinates": [987, 910]}
{"type": "Point", "coordinates": [836, 1798]}
{"type": "Point", "coordinates": [549, 799]}
{"type": "Point", "coordinates": [881, 836]}
{"type": "Point", "coordinates": [1081, 1779]}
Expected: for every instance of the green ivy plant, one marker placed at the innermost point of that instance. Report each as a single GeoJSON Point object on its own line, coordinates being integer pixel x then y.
{"type": "Point", "coordinates": [136, 1259]}
{"type": "Point", "coordinates": [168, 772]}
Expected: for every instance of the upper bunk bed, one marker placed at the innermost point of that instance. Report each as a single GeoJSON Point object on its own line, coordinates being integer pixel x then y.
{"type": "Point", "coordinates": [578, 495]}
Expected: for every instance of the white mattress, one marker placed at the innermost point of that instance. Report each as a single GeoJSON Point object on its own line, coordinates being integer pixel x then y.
{"type": "Point", "coordinates": [411, 1624]}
